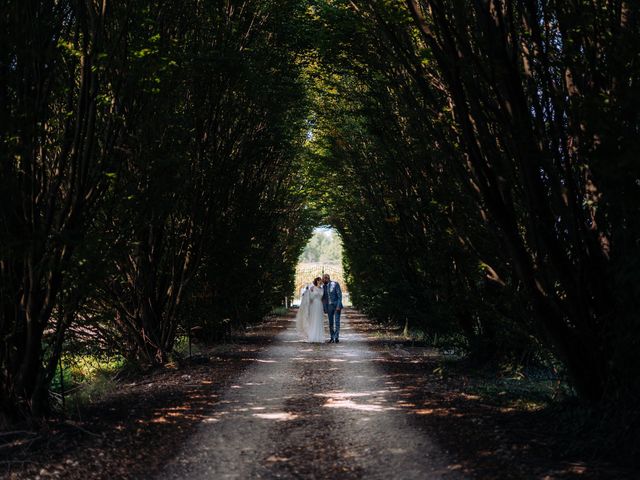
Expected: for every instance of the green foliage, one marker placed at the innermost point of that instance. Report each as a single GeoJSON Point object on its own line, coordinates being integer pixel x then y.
{"type": "Point", "coordinates": [159, 189]}
{"type": "Point", "coordinates": [280, 311]}
{"type": "Point", "coordinates": [410, 230]}
{"type": "Point", "coordinates": [465, 160]}
{"type": "Point", "coordinates": [164, 164]}
{"type": "Point", "coordinates": [324, 247]}
{"type": "Point", "coordinates": [85, 379]}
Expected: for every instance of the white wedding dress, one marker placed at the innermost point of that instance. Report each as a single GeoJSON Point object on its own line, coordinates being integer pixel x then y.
{"type": "Point", "coordinates": [310, 317]}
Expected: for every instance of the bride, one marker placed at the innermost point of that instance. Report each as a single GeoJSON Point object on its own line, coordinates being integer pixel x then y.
{"type": "Point", "coordinates": [309, 320]}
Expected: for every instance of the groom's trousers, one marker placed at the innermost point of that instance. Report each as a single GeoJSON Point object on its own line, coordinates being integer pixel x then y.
{"type": "Point", "coordinates": [334, 321]}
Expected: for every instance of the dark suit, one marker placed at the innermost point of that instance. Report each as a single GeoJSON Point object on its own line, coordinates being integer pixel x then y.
{"type": "Point", "coordinates": [332, 304]}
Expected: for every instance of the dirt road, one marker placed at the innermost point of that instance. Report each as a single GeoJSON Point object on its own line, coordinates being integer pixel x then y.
{"type": "Point", "coordinates": [311, 411]}
{"type": "Point", "coordinates": [265, 405]}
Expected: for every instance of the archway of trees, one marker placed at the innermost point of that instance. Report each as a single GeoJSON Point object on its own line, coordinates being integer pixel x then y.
{"type": "Point", "coordinates": [322, 254]}
{"type": "Point", "coordinates": [164, 163]}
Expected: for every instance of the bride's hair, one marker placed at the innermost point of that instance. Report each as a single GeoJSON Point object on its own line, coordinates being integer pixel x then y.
{"type": "Point", "coordinates": [316, 281]}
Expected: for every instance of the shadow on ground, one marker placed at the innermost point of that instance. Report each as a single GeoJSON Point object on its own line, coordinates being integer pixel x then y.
{"type": "Point", "coordinates": [134, 430]}
{"type": "Point", "coordinates": [491, 436]}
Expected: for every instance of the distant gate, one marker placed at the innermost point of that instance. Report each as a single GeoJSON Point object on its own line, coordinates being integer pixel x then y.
{"type": "Point", "coordinates": [306, 272]}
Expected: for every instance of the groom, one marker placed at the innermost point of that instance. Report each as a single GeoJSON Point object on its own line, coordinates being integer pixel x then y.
{"type": "Point", "coordinates": [332, 304]}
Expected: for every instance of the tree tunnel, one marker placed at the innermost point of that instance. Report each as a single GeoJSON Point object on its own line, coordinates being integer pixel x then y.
{"type": "Point", "coordinates": [165, 163]}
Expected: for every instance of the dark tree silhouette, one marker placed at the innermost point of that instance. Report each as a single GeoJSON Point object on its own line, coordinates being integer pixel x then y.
{"type": "Point", "coordinates": [163, 164]}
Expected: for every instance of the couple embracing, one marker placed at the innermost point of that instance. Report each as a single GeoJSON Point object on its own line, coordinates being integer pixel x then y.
{"type": "Point", "coordinates": [320, 297]}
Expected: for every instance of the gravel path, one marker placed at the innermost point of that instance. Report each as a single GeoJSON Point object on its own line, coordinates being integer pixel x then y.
{"type": "Point", "coordinates": [311, 411]}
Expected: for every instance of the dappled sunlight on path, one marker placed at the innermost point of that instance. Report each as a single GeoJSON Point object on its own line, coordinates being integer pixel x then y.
{"type": "Point", "coordinates": [313, 411]}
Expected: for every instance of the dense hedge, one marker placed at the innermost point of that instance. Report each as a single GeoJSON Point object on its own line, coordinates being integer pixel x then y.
{"type": "Point", "coordinates": [163, 163]}
{"type": "Point", "coordinates": [150, 152]}
{"type": "Point", "coordinates": [484, 173]}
